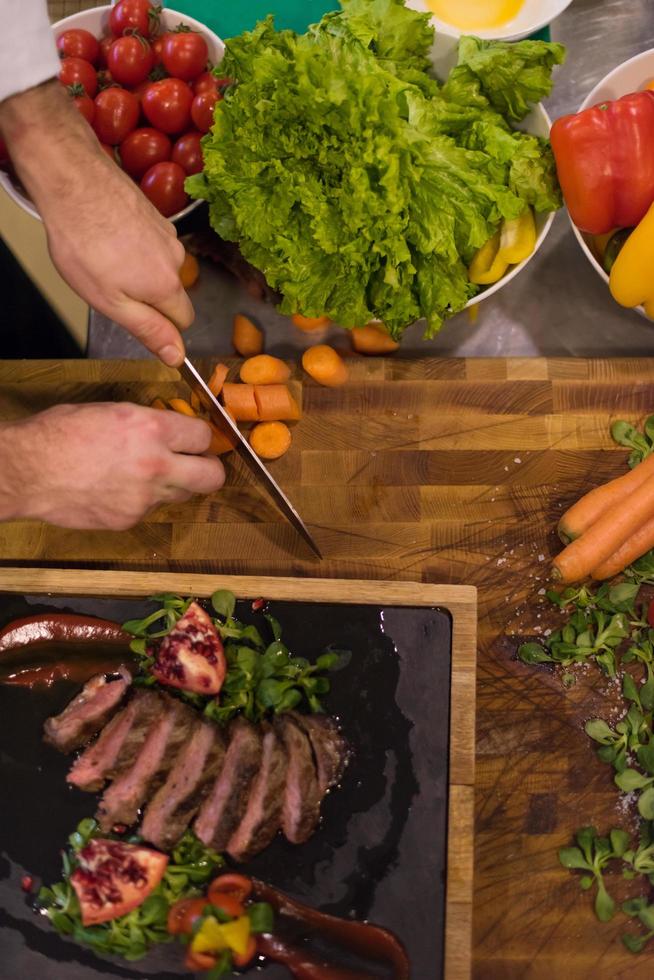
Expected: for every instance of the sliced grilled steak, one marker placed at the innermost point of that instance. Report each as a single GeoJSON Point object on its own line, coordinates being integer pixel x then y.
{"type": "Point", "coordinates": [330, 749]}
{"type": "Point", "coordinates": [118, 744]}
{"type": "Point", "coordinates": [172, 808]}
{"type": "Point", "coordinates": [262, 818]}
{"type": "Point", "coordinates": [225, 805]}
{"type": "Point", "coordinates": [302, 796]}
{"type": "Point", "coordinates": [87, 713]}
{"type": "Point", "coordinates": [168, 733]}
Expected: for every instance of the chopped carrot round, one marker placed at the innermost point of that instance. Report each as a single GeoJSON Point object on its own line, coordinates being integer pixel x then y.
{"type": "Point", "coordinates": [217, 379]}
{"type": "Point", "coordinates": [264, 370]}
{"type": "Point", "coordinates": [189, 271]}
{"type": "Point", "coordinates": [309, 323]}
{"type": "Point", "coordinates": [240, 402]}
{"type": "Point", "coordinates": [246, 337]}
{"type": "Point", "coordinates": [374, 338]}
{"type": "Point", "coordinates": [220, 441]}
{"type": "Point", "coordinates": [182, 406]}
{"type": "Point", "coordinates": [325, 365]}
{"type": "Point", "coordinates": [196, 404]}
{"type": "Point", "coordinates": [159, 404]}
{"type": "Point", "coordinates": [276, 403]}
{"type": "Point", "coordinates": [270, 440]}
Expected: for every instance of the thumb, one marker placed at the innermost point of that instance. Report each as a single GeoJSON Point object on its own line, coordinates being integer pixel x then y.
{"type": "Point", "coordinates": [153, 329]}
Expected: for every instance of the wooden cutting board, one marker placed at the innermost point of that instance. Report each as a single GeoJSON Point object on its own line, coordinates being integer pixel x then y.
{"type": "Point", "coordinates": [431, 470]}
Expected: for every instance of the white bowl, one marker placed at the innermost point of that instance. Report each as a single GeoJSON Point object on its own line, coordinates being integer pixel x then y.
{"type": "Point", "coordinates": [532, 16]}
{"type": "Point", "coordinates": [628, 77]}
{"type": "Point", "coordinates": [96, 20]}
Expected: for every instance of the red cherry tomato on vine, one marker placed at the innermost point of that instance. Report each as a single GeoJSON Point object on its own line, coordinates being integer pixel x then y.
{"type": "Point", "coordinates": [206, 82]}
{"type": "Point", "coordinates": [134, 15]}
{"type": "Point", "coordinates": [163, 184]}
{"type": "Point", "coordinates": [234, 884]}
{"type": "Point", "coordinates": [185, 54]}
{"type": "Point", "coordinates": [76, 71]}
{"type": "Point", "coordinates": [142, 149]}
{"type": "Point", "coordinates": [105, 79]}
{"type": "Point", "coordinates": [183, 915]}
{"type": "Point", "coordinates": [130, 60]}
{"type": "Point", "coordinates": [167, 105]}
{"type": "Point", "coordinates": [157, 48]}
{"type": "Point", "coordinates": [116, 115]}
{"type": "Point", "coordinates": [105, 45]}
{"type": "Point", "coordinates": [187, 152]}
{"type": "Point", "coordinates": [84, 104]}
{"type": "Point", "coordinates": [202, 110]}
{"type": "Point", "coordinates": [78, 43]}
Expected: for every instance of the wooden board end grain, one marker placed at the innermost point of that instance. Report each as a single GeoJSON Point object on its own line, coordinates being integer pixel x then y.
{"type": "Point", "coordinates": [459, 601]}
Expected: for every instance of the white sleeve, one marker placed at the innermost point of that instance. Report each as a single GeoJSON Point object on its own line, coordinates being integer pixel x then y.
{"type": "Point", "coordinates": [28, 53]}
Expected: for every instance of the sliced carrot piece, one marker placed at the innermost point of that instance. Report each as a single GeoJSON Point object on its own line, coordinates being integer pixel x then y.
{"type": "Point", "coordinates": [374, 338]}
{"type": "Point", "coordinates": [159, 404]}
{"type": "Point", "coordinates": [189, 270]}
{"type": "Point", "coordinates": [325, 366]}
{"type": "Point", "coordinates": [592, 505]}
{"type": "Point", "coordinates": [270, 440]}
{"type": "Point", "coordinates": [182, 406]}
{"type": "Point", "coordinates": [240, 402]}
{"type": "Point", "coordinates": [276, 403]}
{"type": "Point", "coordinates": [609, 533]}
{"type": "Point", "coordinates": [217, 379]}
{"type": "Point", "coordinates": [220, 441]}
{"type": "Point", "coordinates": [196, 404]}
{"type": "Point", "coordinates": [264, 370]}
{"type": "Point", "coordinates": [309, 323]}
{"type": "Point", "coordinates": [246, 337]}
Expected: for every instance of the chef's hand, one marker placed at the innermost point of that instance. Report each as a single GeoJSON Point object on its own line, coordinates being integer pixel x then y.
{"type": "Point", "coordinates": [105, 238]}
{"type": "Point", "coordinates": [102, 466]}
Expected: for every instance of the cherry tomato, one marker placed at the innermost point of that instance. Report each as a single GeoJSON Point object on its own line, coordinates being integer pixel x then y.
{"type": "Point", "coordinates": [105, 44]}
{"type": "Point", "coordinates": [187, 152]}
{"type": "Point", "coordinates": [77, 70]}
{"type": "Point", "coordinates": [199, 962]}
{"type": "Point", "coordinates": [130, 60]}
{"type": "Point", "coordinates": [78, 43]}
{"type": "Point", "coordinates": [167, 105]}
{"type": "Point", "coordinates": [242, 959]}
{"type": "Point", "coordinates": [116, 115]}
{"type": "Point", "coordinates": [85, 105]}
{"type": "Point", "coordinates": [109, 150]}
{"type": "Point", "coordinates": [142, 149]}
{"type": "Point", "coordinates": [105, 79]}
{"type": "Point", "coordinates": [163, 184]}
{"type": "Point", "coordinates": [139, 90]}
{"type": "Point", "coordinates": [134, 15]}
{"type": "Point", "coordinates": [183, 915]}
{"type": "Point", "coordinates": [206, 82]}
{"type": "Point", "coordinates": [239, 886]}
{"type": "Point", "coordinates": [226, 903]}
{"type": "Point", "coordinates": [185, 54]}
{"type": "Point", "coordinates": [157, 48]}
{"type": "Point", "coordinates": [202, 110]}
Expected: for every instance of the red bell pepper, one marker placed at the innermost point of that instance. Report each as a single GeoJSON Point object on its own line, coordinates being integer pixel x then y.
{"type": "Point", "coordinates": [605, 162]}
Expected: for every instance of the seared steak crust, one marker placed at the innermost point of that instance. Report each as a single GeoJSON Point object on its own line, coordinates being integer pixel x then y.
{"type": "Point", "coordinates": [263, 814]}
{"type": "Point", "coordinates": [87, 713]}
{"type": "Point", "coordinates": [302, 795]}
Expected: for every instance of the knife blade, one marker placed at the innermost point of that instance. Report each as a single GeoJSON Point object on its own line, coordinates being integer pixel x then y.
{"type": "Point", "coordinates": [197, 384]}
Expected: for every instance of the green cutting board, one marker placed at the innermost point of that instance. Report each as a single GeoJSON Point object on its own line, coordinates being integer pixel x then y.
{"type": "Point", "coordinates": [227, 19]}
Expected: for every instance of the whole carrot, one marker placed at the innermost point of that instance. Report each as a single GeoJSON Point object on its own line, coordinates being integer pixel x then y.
{"type": "Point", "coordinates": [609, 532]}
{"type": "Point", "coordinates": [635, 546]}
{"type": "Point", "coordinates": [590, 507]}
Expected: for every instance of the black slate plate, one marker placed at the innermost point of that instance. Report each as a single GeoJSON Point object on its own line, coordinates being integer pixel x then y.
{"type": "Point", "coordinates": [380, 853]}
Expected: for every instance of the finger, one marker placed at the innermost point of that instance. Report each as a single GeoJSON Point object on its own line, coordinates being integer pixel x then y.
{"type": "Point", "coordinates": [178, 308]}
{"type": "Point", "coordinates": [197, 474]}
{"type": "Point", "coordinates": [175, 495]}
{"type": "Point", "coordinates": [183, 434]}
{"type": "Point", "coordinates": [153, 329]}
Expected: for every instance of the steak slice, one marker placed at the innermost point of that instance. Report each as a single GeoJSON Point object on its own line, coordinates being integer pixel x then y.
{"type": "Point", "coordinates": [262, 818]}
{"type": "Point", "coordinates": [174, 805]}
{"type": "Point", "coordinates": [225, 805]}
{"type": "Point", "coordinates": [118, 743]}
{"type": "Point", "coordinates": [87, 713]}
{"type": "Point", "coordinates": [330, 750]}
{"type": "Point", "coordinates": [302, 796]}
{"type": "Point", "coordinates": [167, 734]}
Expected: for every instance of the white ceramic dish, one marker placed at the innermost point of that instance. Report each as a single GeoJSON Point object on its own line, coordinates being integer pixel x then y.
{"type": "Point", "coordinates": [628, 77]}
{"type": "Point", "coordinates": [532, 16]}
{"type": "Point", "coordinates": [95, 20]}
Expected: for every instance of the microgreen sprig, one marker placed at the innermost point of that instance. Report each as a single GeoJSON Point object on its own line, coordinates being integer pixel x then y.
{"type": "Point", "coordinates": [592, 854]}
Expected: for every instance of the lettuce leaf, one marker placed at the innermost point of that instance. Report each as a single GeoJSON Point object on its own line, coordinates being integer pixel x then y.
{"type": "Point", "coordinates": [347, 175]}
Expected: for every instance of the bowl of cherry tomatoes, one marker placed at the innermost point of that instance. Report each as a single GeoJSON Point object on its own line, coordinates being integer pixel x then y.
{"type": "Point", "coordinates": [141, 77]}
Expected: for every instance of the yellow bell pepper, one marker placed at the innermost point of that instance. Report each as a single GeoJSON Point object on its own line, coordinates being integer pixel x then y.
{"type": "Point", "coordinates": [632, 274]}
{"type": "Point", "coordinates": [214, 936]}
{"type": "Point", "coordinates": [515, 241]}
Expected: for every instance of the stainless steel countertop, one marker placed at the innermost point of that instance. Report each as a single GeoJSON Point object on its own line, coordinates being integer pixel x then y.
{"type": "Point", "coordinates": [557, 306]}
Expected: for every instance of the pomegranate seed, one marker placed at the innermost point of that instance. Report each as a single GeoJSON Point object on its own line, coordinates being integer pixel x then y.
{"type": "Point", "coordinates": [258, 604]}
{"type": "Point", "coordinates": [119, 828]}
{"type": "Point", "coordinates": [26, 883]}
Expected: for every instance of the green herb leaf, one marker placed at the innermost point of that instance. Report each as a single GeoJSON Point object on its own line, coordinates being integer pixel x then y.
{"type": "Point", "coordinates": [533, 653]}
{"type": "Point", "coordinates": [572, 858]}
{"type": "Point", "coordinates": [646, 803]}
{"type": "Point", "coordinates": [630, 780]}
{"type": "Point", "coordinates": [224, 603]}
{"type": "Point", "coordinates": [261, 917]}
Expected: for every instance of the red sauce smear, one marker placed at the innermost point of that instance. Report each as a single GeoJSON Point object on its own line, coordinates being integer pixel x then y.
{"type": "Point", "coordinates": [39, 650]}
{"type": "Point", "coordinates": [361, 937]}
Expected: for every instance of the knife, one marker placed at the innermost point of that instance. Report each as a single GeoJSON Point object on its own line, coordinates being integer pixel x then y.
{"type": "Point", "coordinates": [245, 451]}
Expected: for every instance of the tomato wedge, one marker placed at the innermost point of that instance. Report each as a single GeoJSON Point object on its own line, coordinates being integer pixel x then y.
{"type": "Point", "coordinates": [239, 886]}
